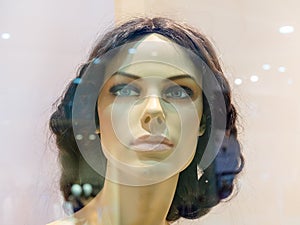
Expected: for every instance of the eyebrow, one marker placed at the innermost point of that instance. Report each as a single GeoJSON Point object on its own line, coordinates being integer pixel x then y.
{"type": "Point", "coordinates": [135, 77]}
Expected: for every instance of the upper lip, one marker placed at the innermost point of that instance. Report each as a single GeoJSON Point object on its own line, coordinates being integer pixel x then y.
{"type": "Point", "coordinates": [152, 139]}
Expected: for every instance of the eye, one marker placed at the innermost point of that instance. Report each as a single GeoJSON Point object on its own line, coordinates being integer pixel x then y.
{"type": "Point", "coordinates": [178, 92]}
{"type": "Point", "coordinates": [124, 90]}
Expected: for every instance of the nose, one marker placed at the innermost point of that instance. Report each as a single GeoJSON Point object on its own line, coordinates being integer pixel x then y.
{"type": "Point", "coordinates": [153, 117]}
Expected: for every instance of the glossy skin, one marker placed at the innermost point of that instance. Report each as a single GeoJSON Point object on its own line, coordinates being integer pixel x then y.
{"type": "Point", "coordinates": [148, 111]}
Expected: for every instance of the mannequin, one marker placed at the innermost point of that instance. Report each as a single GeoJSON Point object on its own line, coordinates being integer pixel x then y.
{"type": "Point", "coordinates": [147, 101]}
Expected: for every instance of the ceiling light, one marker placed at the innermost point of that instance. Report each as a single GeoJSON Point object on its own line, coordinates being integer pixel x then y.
{"type": "Point", "coordinates": [5, 36]}
{"type": "Point", "coordinates": [254, 78]}
{"type": "Point", "coordinates": [290, 81]}
{"type": "Point", "coordinates": [238, 81]}
{"type": "Point", "coordinates": [286, 29]}
{"type": "Point", "coordinates": [281, 69]}
{"type": "Point", "coordinates": [266, 67]}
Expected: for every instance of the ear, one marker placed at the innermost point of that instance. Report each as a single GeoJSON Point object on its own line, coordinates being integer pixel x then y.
{"type": "Point", "coordinates": [202, 127]}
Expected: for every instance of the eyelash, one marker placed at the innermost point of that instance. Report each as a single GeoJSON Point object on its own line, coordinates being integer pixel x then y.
{"type": "Point", "coordinates": [119, 87]}
{"type": "Point", "coordinates": [186, 90]}
{"type": "Point", "coordinates": [116, 89]}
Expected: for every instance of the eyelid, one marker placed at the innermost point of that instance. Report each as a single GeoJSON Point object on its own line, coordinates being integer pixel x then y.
{"type": "Point", "coordinates": [192, 85]}
{"type": "Point", "coordinates": [183, 86]}
{"type": "Point", "coordinates": [187, 90]}
{"type": "Point", "coordinates": [118, 87]}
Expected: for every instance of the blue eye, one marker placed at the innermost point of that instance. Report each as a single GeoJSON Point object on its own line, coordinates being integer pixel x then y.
{"type": "Point", "coordinates": [124, 90]}
{"type": "Point", "coordinates": [178, 92]}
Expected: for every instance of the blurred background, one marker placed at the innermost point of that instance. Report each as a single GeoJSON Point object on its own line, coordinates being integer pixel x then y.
{"type": "Point", "coordinates": [42, 44]}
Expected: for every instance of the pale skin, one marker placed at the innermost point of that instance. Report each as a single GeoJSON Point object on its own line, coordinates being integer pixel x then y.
{"type": "Point", "coordinates": [129, 205]}
{"type": "Point", "coordinates": [121, 203]}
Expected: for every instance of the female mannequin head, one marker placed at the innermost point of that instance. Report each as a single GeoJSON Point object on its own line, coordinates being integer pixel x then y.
{"type": "Point", "coordinates": [157, 113]}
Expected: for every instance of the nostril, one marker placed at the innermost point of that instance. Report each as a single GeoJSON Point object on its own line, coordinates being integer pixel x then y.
{"type": "Point", "coordinates": [159, 120]}
{"type": "Point", "coordinates": [147, 119]}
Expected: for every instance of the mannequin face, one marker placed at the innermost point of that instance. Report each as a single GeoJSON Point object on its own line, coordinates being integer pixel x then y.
{"type": "Point", "coordinates": [150, 110]}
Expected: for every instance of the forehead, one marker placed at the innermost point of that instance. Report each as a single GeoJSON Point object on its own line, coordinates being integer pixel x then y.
{"type": "Point", "coordinates": [153, 55]}
{"type": "Point", "coordinates": [152, 69]}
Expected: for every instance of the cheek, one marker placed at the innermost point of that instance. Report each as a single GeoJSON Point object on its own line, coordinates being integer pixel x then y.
{"type": "Point", "coordinates": [103, 115]}
{"type": "Point", "coordinates": [105, 125]}
{"type": "Point", "coordinates": [189, 120]}
{"type": "Point", "coordinates": [174, 124]}
{"type": "Point", "coordinates": [190, 114]}
{"type": "Point", "coordinates": [198, 104]}
{"type": "Point", "coordinates": [114, 123]}
{"type": "Point", "coordinates": [110, 112]}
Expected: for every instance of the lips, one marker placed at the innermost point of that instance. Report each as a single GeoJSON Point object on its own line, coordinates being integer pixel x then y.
{"type": "Point", "coordinates": [151, 143]}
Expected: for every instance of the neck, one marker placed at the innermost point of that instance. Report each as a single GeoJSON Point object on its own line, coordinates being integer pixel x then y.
{"type": "Point", "coordinates": [135, 205]}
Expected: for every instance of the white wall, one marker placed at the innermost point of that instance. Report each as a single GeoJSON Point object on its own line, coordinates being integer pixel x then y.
{"type": "Point", "coordinates": [49, 39]}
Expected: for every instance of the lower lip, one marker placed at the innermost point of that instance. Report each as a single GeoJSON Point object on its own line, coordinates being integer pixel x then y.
{"type": "Point", "coordinates": [149, 147]}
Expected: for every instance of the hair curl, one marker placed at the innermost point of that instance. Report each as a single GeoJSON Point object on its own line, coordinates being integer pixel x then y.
{"type": "Point", "coordinates": [193, 198]}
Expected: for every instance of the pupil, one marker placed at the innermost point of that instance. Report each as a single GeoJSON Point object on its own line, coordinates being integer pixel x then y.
{"type": "Point", "coordinates": [177, 93]}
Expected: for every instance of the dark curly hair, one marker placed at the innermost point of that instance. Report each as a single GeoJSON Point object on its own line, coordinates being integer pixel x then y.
{"type": "Point", "coordinates": [193, 197]}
